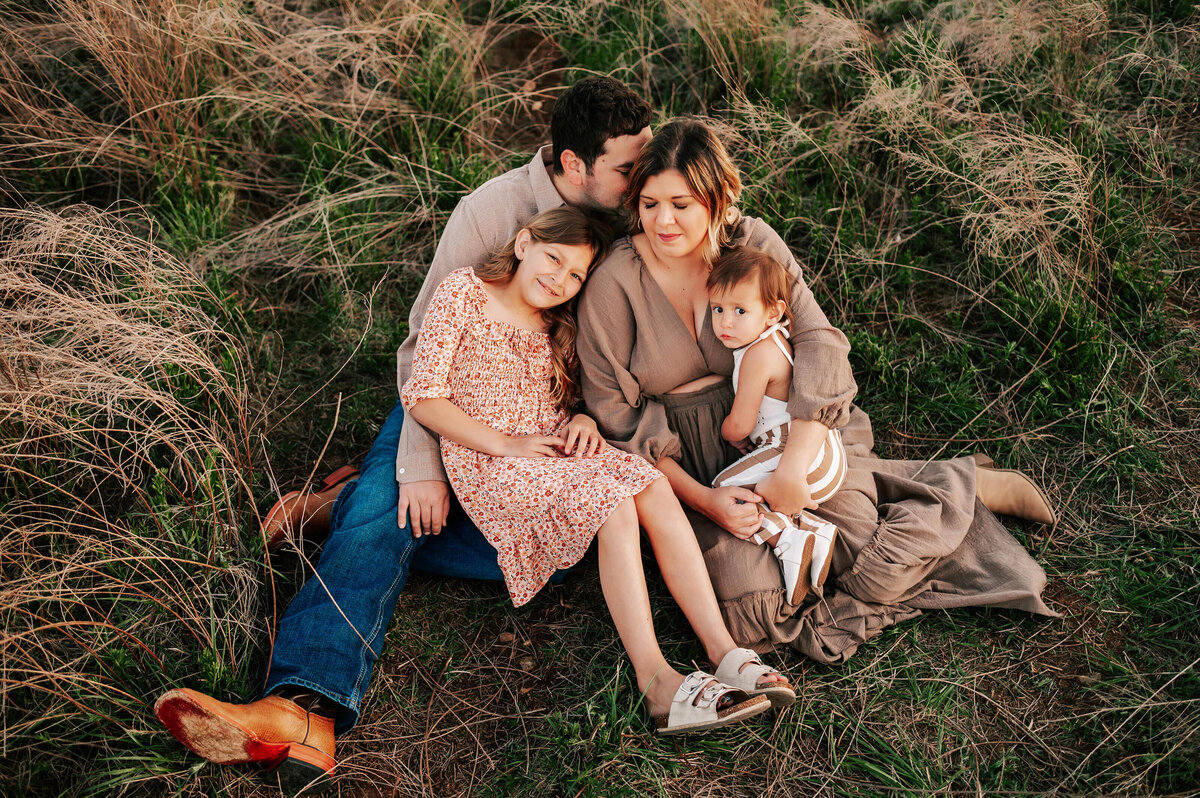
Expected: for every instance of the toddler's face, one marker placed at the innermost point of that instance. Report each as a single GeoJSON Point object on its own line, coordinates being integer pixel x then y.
{"type": "Point", "coordinates": [739, 315]}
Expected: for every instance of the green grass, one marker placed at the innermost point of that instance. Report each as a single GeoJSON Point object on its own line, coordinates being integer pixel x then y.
{"type": "Point", "coordinates": [996, 201]}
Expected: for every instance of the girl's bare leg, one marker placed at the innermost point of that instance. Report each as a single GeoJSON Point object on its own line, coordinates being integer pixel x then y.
{"type": "Point", "coordinates": [624, 585]}
{"type": "Point", "coordinates": [683, 568]}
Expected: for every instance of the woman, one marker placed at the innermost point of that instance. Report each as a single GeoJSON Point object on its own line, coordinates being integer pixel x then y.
{"type": "Point", "coordinates": [912, 534]}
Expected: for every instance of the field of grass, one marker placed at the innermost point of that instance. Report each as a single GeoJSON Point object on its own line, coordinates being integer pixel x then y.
{"type": "Point", "coordinates": [213, 217]}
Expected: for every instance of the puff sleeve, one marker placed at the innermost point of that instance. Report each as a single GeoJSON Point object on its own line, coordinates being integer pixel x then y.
{"type": "Point", "coordinates": [448, 314]}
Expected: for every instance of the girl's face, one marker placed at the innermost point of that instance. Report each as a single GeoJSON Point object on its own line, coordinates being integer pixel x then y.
{"type": "Point", "coordinates": [549, 274]}
{"type": "Point", "coordinates": [739, 315]}
{"type": "Point", "coordinates": [675, 221]}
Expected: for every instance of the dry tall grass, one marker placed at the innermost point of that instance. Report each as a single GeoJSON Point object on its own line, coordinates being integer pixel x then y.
{"type": "Point", "coordinates": [286, 147]}
{"type": "Point", "coordinates": [128, 439]}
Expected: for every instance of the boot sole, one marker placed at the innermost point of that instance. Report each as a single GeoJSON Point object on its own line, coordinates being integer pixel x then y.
{"type": "Point", "coordinates": [210, 733]}
{"type": "Point", "coordinates": [820, 580]}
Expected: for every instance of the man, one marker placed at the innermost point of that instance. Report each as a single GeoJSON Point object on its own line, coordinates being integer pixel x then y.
{"type": "Point", "coordinates": [399, 513]}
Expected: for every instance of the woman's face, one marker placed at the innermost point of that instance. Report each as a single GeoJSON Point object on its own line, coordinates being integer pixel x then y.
{"type": "Point", "coordinates": [675, 221]}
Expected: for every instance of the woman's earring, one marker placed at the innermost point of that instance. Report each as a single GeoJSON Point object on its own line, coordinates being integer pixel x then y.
{"type": "Point", "coordinates": [639, 223]}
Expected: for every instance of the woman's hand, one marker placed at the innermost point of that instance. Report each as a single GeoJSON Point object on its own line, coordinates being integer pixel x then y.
{"type": "Point", "coordinates": [531, 446]}
{"type": "Point", "coordinates": [734, 509]}
{"type": "Point", "coordinates": [583, 437]}
{"type": "Point", "coordinates": [785, 495]}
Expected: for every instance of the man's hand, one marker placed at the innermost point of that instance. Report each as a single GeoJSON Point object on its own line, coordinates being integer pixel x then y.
{"type": "Point", "coordinates": [735, 510]}
{"type": "Point", "coordinates": [426, 504]}
{"type": "Point", "coordinates": [784, 495]}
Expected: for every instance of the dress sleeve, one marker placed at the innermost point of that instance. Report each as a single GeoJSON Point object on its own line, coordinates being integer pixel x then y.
{"type": "Point", "coordinates": [437, 343]}
{"type": "Point", "coordinates": [466, 241]}
{"type": "Point", "coordinates": [607, 331]}
{"type": "Point", "coordinates": [823, 384]}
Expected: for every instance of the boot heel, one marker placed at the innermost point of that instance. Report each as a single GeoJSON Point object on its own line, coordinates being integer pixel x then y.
{"type": "Point", "coordinates": [295, 777]}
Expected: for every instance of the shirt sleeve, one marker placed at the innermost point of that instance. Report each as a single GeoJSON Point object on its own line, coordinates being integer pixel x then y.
{"type": "Point", "coordinates": [823, 385]}
{"type": "Point", "coordinates": [464, 243]}
{"type": "Point", "coordinates": [438, 342]}
{"type": "Point", "coordinates": [607, 331]}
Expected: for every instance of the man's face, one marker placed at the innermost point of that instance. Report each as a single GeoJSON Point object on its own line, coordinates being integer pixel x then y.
{"type": "Point", "coordinates": [605, 184]}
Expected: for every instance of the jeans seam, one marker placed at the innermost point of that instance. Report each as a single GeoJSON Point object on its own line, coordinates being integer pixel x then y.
{"type": "Point", "coordinates": [401, 573]}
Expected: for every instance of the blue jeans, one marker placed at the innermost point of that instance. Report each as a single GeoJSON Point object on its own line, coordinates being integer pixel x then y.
{"type": "Point", "coordinates": [333, 631]}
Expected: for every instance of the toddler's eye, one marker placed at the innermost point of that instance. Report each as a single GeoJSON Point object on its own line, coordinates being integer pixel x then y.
{"type": "Point", "coordinates": [718, 311]}
{"type": "Point", "coordinates": [741, 311]}
{"type": "Point", "coordinates": [577, 276]}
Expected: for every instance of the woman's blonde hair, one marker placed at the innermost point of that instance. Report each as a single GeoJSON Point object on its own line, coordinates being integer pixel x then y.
{"type": "Point", "coordinates": [692, 148]}
{"type": "Point", "coordinates": [565, 225]}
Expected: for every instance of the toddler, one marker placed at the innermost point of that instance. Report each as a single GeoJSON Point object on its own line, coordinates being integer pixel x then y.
{"type": "Point", "coordinates": [748, 297]}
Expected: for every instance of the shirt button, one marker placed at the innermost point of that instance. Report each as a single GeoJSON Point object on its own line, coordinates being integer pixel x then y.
{"type": "Point", "coordinates": [401, 471]}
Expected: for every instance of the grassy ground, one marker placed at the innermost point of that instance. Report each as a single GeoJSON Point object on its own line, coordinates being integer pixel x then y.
{"type": "Point", "coordinates": [215, 214]}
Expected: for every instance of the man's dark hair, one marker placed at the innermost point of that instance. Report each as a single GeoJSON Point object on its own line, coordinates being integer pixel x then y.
{"type": "Point", "coordinates": [591, 112]}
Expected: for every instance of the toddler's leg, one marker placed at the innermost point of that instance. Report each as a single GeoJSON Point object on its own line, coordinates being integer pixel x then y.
{"type": "Point", "coordinates": [773, 523]}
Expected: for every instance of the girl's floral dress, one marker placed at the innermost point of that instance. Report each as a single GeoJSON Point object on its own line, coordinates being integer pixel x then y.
{"type": "Point", "coordinates": [539, 512]}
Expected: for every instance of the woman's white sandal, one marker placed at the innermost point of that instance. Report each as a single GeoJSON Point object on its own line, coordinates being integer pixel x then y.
{"type": "Point", "coordinates": [694, 707]}
{"type": "Point", "coordinates": [742, 668]}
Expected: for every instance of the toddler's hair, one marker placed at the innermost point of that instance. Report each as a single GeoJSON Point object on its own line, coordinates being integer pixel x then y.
{"type": "Point", "coordinates": [742, 263]}
{"type": "Point", "coordinates": [565, 225]}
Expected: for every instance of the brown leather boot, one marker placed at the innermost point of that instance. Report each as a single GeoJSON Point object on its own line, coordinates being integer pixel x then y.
{"type": "Point", "coordinates": [1007, 491]}
{"type": "Point", "coordinates": [294, 744]}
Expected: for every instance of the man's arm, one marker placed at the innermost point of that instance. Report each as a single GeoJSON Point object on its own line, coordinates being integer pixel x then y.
{"type": "Point", "coordinates": [466, 240]}
{"type": "Point", "coordinates": [461, 244]}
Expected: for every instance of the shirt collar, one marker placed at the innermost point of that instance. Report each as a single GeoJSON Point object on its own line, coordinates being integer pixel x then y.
{"type": "Point", "coordinates": [544, 192]}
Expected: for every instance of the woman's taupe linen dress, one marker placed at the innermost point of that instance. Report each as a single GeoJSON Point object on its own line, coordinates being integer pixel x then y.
{"type": "Point", "coordinates": [912, 536]}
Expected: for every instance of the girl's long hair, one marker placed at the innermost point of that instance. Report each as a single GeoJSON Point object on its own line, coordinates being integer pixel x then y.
{"type": "Point", "coordinates": [565, 225]}
{"type": "Point", "coordinates": [691, 147]}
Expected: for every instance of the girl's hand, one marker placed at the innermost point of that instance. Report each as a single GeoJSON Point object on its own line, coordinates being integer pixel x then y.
{"type": "Point", "coordinates": [735, 509]}
{"type": "Point", "coordinates": [744, 446]}
{"type": "Point", "coordinates": [784, 495]}
{"type": "Point", "coordinates": [583, 438]}
{"type": "Point", "coordinates": [532, 446]}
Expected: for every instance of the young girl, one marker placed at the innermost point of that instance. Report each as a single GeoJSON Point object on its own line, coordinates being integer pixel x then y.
{"type": "Point", "coordinates": [493, 375]}
{"type": "Point", "coordinates": [748, 297]}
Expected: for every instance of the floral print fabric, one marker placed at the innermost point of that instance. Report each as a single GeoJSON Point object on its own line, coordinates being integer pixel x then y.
{"type": "Point", "coordinates": [540, 513]}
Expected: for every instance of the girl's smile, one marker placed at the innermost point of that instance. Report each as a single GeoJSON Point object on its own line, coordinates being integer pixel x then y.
{"type": "Point", "coordinates": [548, 274]}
